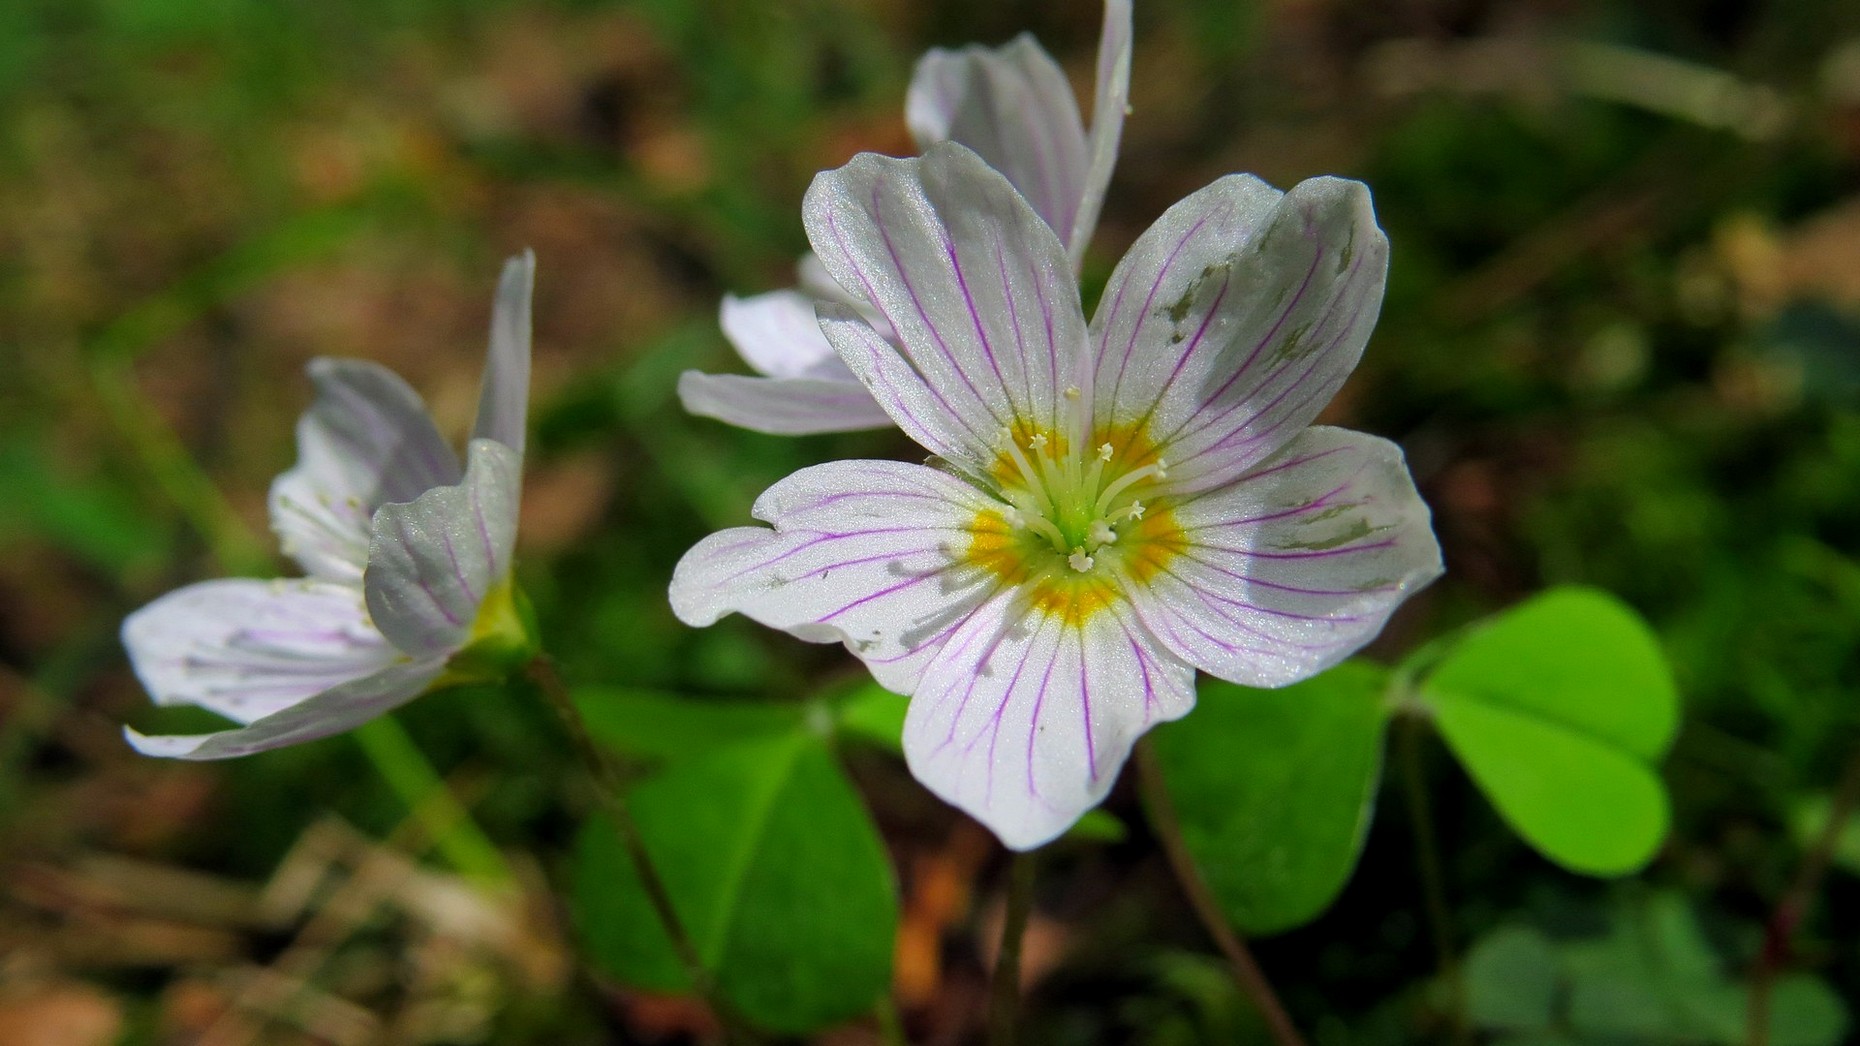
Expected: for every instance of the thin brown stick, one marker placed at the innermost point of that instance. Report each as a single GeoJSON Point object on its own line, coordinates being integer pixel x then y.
{"type": "Point", "coordinates": [1794, 905]}
{"type": "Point", "coordinates": [1004, 986]}
{"type": "Point", "coordinates": [541, 673]}
{"type": "Point", "coordinates": [1246, 971]}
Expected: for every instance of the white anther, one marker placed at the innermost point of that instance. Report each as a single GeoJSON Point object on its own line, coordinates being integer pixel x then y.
{"type": "Point", "coordinates": [1162, 469]}
{"type": "Point", "coordinates": [1038, 442]}
{"type": "Point", "coordinates": [1135, 511]}
{"type": "Point", "coordinates": [1079, 560]}
{"type": "Point", "coordinates": [1101, 533]}
{"type": "Point", "coordinates": [1105, 450]}
{"type": "Point", "coordinates": [1072, 392]}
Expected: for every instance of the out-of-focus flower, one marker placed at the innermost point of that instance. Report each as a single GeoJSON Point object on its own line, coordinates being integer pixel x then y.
{"type": "Point", "coordinates": [1013, 107]}
{"type": "Point", "coordinates": [407, 554]}
{"type": "Point", "coordinates": [1109, 508]}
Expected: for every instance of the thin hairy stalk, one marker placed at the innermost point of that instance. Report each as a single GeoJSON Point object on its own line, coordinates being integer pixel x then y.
{"type": "Point", "coordinates": [541, 674]}
{"type": "Point", "coordinates": [1433, 879]}
{"type": "Point", "coordinates": [1004, 989]}
{"type": "Point", "coordinates": [1794, 905]}
{"type": "Point", "coordinates": [1246, 970]}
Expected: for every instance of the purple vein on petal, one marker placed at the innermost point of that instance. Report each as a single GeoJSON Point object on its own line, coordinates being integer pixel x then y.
{"type": "Point", "coordinates": [878, 303]}
{"type": "Point", "coordinates": [891, 250]}
{"type": "Point", "coordinates": [1033, 718]}
{"type": "Point", "coordinates": [465, 586]}
{"type": "Point", "coordinates": [1020, 336]}
{"type": "Point", "coordinates": [1149, 301]}
{"type": "Point", "coordinates": [420, 579]}
{"type": "Point", "coordinates": [975, 314]}
{"type": "Point", "coordinates": [1183, 432]}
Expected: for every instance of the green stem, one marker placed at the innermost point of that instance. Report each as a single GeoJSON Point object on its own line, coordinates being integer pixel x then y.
{"type": "Point", "coordinates": [1433, 879]}
{"type": "Point", "coordinates": [412, 777]}
{"type": "Point", "coordinates": [1246, 970]}
{"type": "Point", "coordinates": [542, 675]}
{"type": "Point", "coordinates": [1004, 989]}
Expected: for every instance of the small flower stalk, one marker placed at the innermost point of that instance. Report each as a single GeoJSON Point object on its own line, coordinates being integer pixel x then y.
{"type": "Point", "coordinates": [1013, 106]}
{"type": "Point", "coordinates": [407, 557]}
{"type": "Point", "coordinates": [1110, 507]}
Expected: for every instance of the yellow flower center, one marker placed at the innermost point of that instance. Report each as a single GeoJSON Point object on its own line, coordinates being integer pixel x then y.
{"type": "Point", "coordinates": [1078, 516]}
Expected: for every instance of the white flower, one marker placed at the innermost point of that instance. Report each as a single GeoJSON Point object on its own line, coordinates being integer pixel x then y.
{"type": "Point", "coordinates": [1013, 107]}
{"type": "Point", "coordinates": [408, 558]}
{"type": "Point", "coordinates": [1110, 508]}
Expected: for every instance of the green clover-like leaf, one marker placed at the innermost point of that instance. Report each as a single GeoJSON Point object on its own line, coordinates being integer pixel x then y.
{"type": "Point", "coordinates": [1274, 789]}
{"type": "Point", "coordinates": [1561, 709]}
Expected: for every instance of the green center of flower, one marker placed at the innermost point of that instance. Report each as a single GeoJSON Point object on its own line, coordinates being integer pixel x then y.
{"type": "Point", "coordinates": [1077, 492]}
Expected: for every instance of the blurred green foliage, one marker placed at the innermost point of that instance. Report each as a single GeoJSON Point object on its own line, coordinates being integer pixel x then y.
{"type": "Point", "coordinates": [1618, 347]}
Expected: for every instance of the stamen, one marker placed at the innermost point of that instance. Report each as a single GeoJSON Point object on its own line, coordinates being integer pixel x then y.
{"type": "Point", "coordinates": [1135, 511]}
{"type": "Point", "coordinates": [1072, 392]}
{"type": "Point", "coordinates": [1044, 527]}
{"type": "Point", "coordinates": [1079, 560]}
{"type": "Point", "coordinates": [1105, 450]}
{"type": "Point", "coordinates": [1028, 473]}
{"type": "Point", "coordinates": [1101, 533]}
{"type": "Point", "coordinates": [1123, 483]}
{"type": "Point", "coordinates": [1038, 442]}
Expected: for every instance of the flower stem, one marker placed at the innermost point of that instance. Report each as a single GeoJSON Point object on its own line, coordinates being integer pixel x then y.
{"type": "Point", "coordinates": [1004, 994]}
{"type": "Point", "coordinates": [1246, 970]}
{"type": "Point", "coordinates": [1433, 880]}
{"type": "Point", "coordinates": [1793, 906]}
{"type": "Point", "coordinates": [406, 769]}
{"type": "Point", "coordinates": [542, 675]}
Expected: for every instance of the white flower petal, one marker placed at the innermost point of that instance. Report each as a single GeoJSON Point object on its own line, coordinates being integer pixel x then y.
{"type": "Point", "coordinates": [432, 560]}
{"type": "Point", "coordinates": [973, 282]}
{"type": "Point", "coordinates": [777, 335]}
{"type": "Point", "coordinates": [504, 401]}
{"type": "Point", "coordinates": [1023, 719]}
{"type": "Point", "coordinates": [1107, 123]}
{"type": "Point", "coordinates": [1292, 568]}
{"type": "Point", "coordinates": [1013, 106]}
{"type": "Point", "coordinates": [1236, 318]}
{"type": "Point", "coordinates": [332, 711]}
{"type": "Point", "coordinates": [782, 406]}
{"type": "Point", "coordinates": [365, 441]}
{"type": "Point", "coordinates": [865, 552]}
{"type": "Point", "coordinates": [246, 648]}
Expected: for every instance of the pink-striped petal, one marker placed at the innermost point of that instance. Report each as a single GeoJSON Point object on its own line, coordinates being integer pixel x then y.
{"type": "Point", "coordinates": [504, 400]}
{"type": "Point", "coordinates": [1013, 107]}
{"type": "Point", "coordinates": [433, 560]}
{"type": "Point", "coordinates": [333, 711]}
{"type": "Point", "coordinates": [1024, 718]}
{"type": "Point", "coordinates": [971, 280]}
{"type": "Point", "coordinates": [247, 649]}
{"type": "Point", "coordinates": [1236, 318]}
{"type": "Point", "coordinates": [1107, 124]}
{"type": "Point", "coordinates": [1292, 568]}
{"type": "Point", "coordinates": [782, 406]}
{"type": "Point", "coordinates": [365, 441]}
{"type": "Point", "coordinates": [867, 553]}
